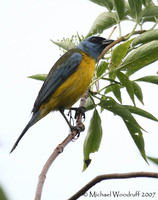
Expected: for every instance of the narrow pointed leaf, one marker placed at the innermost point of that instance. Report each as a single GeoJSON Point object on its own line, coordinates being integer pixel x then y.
{"type": "Point", "coordinates": [110, 104]}
{"type": "Point", "coordinates": [93, 138]}
{"type": "Point", "coordinates": [127, 84]}
{"type": "Point", "coordinates": [151, 11]}
{"type": "Point", "coordinates": [40, 77]}
{"type": "Point", "coordinates": [2, 194]}
{"type": "Point", "coordinates": [132, 125]}
{"type": "Point", "coordinates": [106, 3]}
{"type": "Point", "coordinates": [149, 79]}
{"type": "Point", "coordinates": [101, 68]}
{"type": "Point", "coordinates": [141, 112]}
{"type": "Point", "coordinates": [146, 37]}
{"type": "Point", "coordinates": [120, 8]}
{"type": "Point", "coordinates": [155, 160]}
{"type": "Point", "coordinates": [104, 20]}
{"type": "Point", "coordinates": [147, 2]}
{"type": "Point", "coordinates": [116, 90]}
{"type": "Point", "coordinates": [119, 53]}
{"type": "Point", "coordinates": [140, 57]}
{"type": "Point", "coordinates": [138, 91]}
{"type": "Point", "coordinates": [137, 136]}
{"type": "Point", "coordinates": [149, 19]}
{"type": "Point", "coordinates": [136, 8]}
{"type": "Point", "coordinates": [67, 45]}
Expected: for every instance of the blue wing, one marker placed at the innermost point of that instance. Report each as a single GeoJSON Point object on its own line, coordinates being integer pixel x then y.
{"type": "Point", "coordinates": [62, 69]}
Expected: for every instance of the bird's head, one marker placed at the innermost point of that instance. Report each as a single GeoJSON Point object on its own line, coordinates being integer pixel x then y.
{"type": "Point", "coordinates": [93, 46]}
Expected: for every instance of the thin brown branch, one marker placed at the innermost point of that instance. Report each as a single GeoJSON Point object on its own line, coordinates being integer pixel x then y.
{"type": "Point", "coordinates": [116, 42]}
{"type": "Point", "coordinates": [112, 176]}
{"type": "Point", "coordinates": [59, 149]}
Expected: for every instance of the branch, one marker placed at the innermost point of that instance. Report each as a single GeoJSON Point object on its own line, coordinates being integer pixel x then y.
{"type": "Point", "coordinates": [59, 149]}
{"type": "Point", "coordinates": [118, 41]}
{"type": "Point", "coordinates": [100, 178]}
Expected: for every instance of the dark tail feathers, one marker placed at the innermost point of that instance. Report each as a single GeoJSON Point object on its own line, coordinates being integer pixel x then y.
{"type": "Point", "coordinates": [32, 121]}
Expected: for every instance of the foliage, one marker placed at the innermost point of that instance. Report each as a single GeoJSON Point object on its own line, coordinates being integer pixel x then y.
{"type": "Point", "coordinates": [115, 70]}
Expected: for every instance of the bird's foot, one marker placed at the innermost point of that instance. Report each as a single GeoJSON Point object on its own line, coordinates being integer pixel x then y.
{"type": "Point", "coordinates": [81, 110]}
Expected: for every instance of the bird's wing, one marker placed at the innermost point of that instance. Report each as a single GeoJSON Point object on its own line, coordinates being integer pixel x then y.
{"type": "Point", "coordinates": [62, 69]}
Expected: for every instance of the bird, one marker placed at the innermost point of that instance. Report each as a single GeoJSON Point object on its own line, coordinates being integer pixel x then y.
{"type": "Point", "coordinates": [67, 80]}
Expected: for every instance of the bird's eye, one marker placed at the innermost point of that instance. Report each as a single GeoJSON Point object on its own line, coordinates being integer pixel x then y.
{"type": "Point", "coordinates": [94, 39]}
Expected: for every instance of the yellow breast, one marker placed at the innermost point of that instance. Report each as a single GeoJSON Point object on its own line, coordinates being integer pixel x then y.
{"type": "Point", "coordinates": [73, 87]}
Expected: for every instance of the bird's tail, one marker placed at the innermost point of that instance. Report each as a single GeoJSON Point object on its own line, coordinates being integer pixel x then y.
{"type": "Point", "coordinates": [32, 121]}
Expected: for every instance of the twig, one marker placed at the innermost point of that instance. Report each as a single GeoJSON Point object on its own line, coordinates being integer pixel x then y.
{"type": "Point", "coordinates": [112, 176]}
{"type": "Point", "coordinates": [116, 42]}
{"type": "Point", "coordinates": [59, 149]}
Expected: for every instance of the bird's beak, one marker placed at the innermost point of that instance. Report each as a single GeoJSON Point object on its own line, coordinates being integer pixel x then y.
{"type": "Point", "coordinates": [107, 42]}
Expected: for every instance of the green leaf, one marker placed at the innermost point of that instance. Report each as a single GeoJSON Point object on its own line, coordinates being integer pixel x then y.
{"type": "Point", "coordinates": [155, 160]}
{"type": "Point", "coordinates": [149, 79]}
{"type": "Point", "coordinates": [101, 68]}
{"type": "Point", "coordinates": [137, 137]}
{"type": "Point", "coordinates": [148, 19]}
{"type": "Point", "coordinates": [119, 53]}
{"type": "Point", "coordinates": [106, 3]}
{"type": "Point", "coordinates": [110, 104]}
{"type": "Point", "coordinates": [116, 90]}
{"type": "Point", "coordinates": [146, 37]}
{"type": "Point", "coordinates": [120, 8]}
{"type": "Point", "coordinates": [90, 104]}
{"type": "Point", "coordinates": [136, 8]}
{"type": "Point", "coordinates": [141, 112]}
{"type": "Point", "coordinates": [93, 138]}
{"type": "Point", "coordinates": [2, 194]}
{"type": "Point", "coordinates": [127, 84]}
{"type": "Point", "coordinates": [104, 20]}
{"type": "Point", "coordinates": [147, 2]}
{"type": "Point", "coordinates": [40, 77]}
{"type": "Point", "coordinates": [134, 128]}
{"type": "Point", "coordinates": [140, 57]}
{"type": "Point", "coordinates": [67, 45]}
{"type": "Point", "coordinates": [138, 91]}
{"type": "Point", "coordinates": [151, 11]}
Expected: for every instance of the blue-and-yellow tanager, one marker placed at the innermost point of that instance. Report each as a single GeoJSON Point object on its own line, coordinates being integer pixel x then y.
{"type": "Point", "coordinates": [68, 79]}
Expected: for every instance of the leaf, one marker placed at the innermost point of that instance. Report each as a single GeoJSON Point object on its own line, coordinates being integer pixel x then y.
{"type": "Point", "coordinates": [149, 79]}
{"type": "Point", "coordinates": [151, 11]}
{"type": "Point", "coordinates": [134, 128]}
{"type": "Point", "coordinates": [146, 37]}
{"type": "Point", "coordinates": [155, 160]}
{"type": "Point", "coordinates": [106, 3]}
{"type": "Point", "coordinates": [136, 8]}
{"type": "Point", "coordinates": [137, 91]}
{"type": "Point", "coordinates": [127, 84]}
{"type": "Point", "coordinates": [90, 104]}
{"type": "Point", "coordinates": [40, 77]}
{"type": "Point", "coordinates": [116, 90]}
{"type": "Point", "coordinates": [101, 68]}
{"type": "Point", "coordinates": [147, 2]}
{"type": "Point", "coordinates": [104, 20]}
{"type": "Point", "coordinates": [140, 57]}
{"type": "Point", "coordinates": [120, 8]}
{"type": "Point", "coordinates": [110, 104]}
{"type": "Point", "coordinates": [67, 45]}
{"type": "Point", "coordinates": [141, 112]}
{"type": "Point", "coordinates": [137, 137]}
{"type": "Point", "coordinates": [119, 53]}
{"type": "Point", "coordinates": [2, 194]}
{"type": "Point", "coordinates": [148, 19]}
{"type": "Point", "coordinates": [93, 138]}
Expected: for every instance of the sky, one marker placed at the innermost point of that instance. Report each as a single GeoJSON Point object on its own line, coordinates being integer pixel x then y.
{"type": "Point", "coordinates": [26, 49]}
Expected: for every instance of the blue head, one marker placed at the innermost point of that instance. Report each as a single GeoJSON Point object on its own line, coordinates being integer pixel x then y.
{"type": "Point", "coordinates": [93, 46]}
